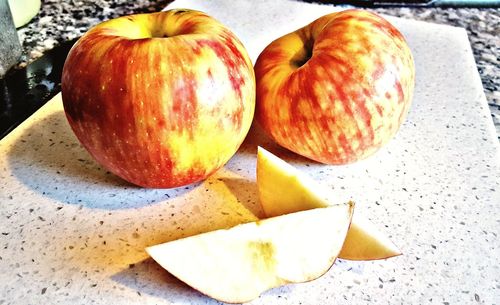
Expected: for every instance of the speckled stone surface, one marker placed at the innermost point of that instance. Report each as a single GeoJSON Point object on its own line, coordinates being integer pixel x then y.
{"type": "Point", "coordinates": [64, 20]}
{"type": "Point", "coordinates": [71, 233]}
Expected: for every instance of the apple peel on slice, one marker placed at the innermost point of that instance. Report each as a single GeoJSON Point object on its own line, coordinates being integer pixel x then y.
{"type": "Point", "coordinates": [284, 189]}
{"type": "Point", "coordinates": [238, 264]}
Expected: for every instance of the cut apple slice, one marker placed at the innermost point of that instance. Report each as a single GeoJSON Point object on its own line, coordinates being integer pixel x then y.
{"type": "Point", "coordinates": [238, 264]}
{"type": "Point", "coordinates": [365, 242]}
{"type": "Point", "coordinates": [284, 189]}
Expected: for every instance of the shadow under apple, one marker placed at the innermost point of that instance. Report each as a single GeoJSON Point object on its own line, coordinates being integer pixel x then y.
{"type": "Point", "coordinates": [257, 137]}
{"type": "Point", "coordinates": [147, 277]}
{"type": "Point", "coordinates": [246, 193]}
{"type": "Point", "coordinates": [49, 159]}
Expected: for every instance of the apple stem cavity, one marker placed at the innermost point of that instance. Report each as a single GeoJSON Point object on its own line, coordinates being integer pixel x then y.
{"type": "Point", "coordinates": [303, 55]}
{"type": "Point", "coordinates": [156, 25]}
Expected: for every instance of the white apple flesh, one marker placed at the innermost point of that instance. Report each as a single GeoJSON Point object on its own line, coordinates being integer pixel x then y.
{"type": "Point", "coordinates": [238, 264]}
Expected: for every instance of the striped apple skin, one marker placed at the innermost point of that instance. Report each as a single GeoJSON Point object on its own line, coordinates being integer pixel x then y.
{"type": "Point", "coordinates": [161, 100]}
{"type": "Point", "coordinates": [336, 90]}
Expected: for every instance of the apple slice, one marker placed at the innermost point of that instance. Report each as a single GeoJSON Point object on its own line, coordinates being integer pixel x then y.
{"type": "Point", "coordinates": [238, 264]}
{"type": "Point", "coordinates": [284, 189]}
{"type": "Point", "coordinates": [365, 242]}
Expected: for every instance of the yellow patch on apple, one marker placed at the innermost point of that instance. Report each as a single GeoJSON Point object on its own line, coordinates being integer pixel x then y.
{"type": "Point", "coordinates": [284, 189]}
{"type": "Point", "coordinates": [238, 264]}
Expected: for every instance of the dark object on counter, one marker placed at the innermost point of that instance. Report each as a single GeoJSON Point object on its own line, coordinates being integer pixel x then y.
{"type": "Point", "coordinates": [23, 91]}
{"type": "Point", "coordinates": [416, 3]}
{"type": "Point", "coordinates": [10, 48]}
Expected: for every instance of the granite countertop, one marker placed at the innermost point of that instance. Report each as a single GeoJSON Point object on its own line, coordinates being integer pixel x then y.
{"type": "Point", "coordinates": [59, 21]}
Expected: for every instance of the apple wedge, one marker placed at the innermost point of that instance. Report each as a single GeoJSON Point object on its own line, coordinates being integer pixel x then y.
{"type": "Point", "coordinates": [284, 189]}
{"type": "Point", "coordinates": [238, 264]}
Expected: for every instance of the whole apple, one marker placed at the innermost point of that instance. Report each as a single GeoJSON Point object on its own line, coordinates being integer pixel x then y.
{"type": "Point", "coordinates": [162, 99]}
{"type": "Point", "coordinates": [336, 90]}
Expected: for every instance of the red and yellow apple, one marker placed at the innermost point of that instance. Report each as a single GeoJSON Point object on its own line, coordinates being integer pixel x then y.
{"type": "Point", "coordinates": [336, 90]}
{"type": "Point", "coordinates": [162, 99]}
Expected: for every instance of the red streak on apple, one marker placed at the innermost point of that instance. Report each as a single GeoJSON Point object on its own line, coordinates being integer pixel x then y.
{"type": "Point", "coordinates": [227, 50]}
{"type": "Point", "coordinates": [336, 90]}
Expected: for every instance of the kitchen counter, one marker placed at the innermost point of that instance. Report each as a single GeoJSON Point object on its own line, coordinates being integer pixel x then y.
{"type": "Point", "coordinates": [59, 21]}
{"type": "Point", "coordinates": [73, 233]}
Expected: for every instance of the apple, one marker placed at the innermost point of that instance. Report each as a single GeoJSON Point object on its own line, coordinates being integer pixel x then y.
{"type": "Point", "coordinates": [365, 241]}
{"type": "Point", "coordinates": [284, 189]}
{"type": "Point", "coordinates": [238, 264]}
{"type": "Point", "coordinates": [161, 99]}
{"type": "Point", "coordinates": [336, 90]}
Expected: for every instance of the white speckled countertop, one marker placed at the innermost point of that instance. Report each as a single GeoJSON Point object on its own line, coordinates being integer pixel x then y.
{"type": "Point", "coordinates": [71, 233]}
